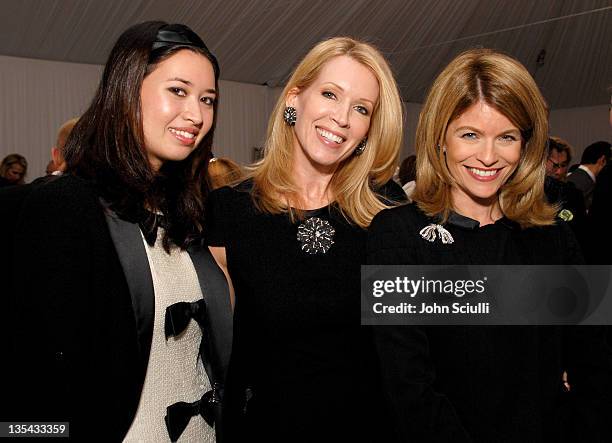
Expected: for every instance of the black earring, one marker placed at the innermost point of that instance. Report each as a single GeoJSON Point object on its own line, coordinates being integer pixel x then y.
{"type": "Point", "coordinates": [361, 146]}
{"type": "Point", "coordinates": [290, 115]}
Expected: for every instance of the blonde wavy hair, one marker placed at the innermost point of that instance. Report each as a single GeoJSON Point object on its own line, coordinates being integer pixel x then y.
{"type": "Point", "coordinates": [355, 179]}
{"type": "Point", "coordinates": [504, 84]}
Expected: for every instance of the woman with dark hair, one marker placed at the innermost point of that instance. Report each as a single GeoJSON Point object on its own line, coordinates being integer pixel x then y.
{"type": "Point", "coordinates": [124, 320]}
{"type": "Point", "coordinates": [479, 199]}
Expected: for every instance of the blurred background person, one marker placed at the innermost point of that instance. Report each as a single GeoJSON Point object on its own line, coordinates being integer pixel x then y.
{"type": "Point", "coordinates": [13, 170]}
{"type": "Point", "coordinates": [600, 216]}
{"type": "Point", "coordinates": [223, 171]}
{"type": "Point", "coordinates": [57, 165]}
{"type": "Point", "coordinates": [563, 194]}
{"type": "Point", "coordinates": [12, 197]}
{"type": "Point", "coordinates": [559, 158]}
{"type": "Point", "coordinates": [407, 175]}
{"type": "Point", "coordinates": [594, 159]}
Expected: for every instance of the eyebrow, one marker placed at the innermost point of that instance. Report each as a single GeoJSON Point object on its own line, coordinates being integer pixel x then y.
{"type": "Point", "coordinates": [472, 128]}
{"type": "Point", "coordinates": [342, 89]}
{"type": "Point", "coordinates": [188, 83]}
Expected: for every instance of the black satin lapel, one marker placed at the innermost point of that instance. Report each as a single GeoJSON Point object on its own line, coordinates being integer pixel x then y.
{"type": "Point", "coordinates": [215, 291]}
{"type": "Point", "coordinates": [133, 257]}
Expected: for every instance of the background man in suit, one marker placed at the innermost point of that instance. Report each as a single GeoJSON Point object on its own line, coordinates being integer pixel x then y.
{"type": "Point", "coordinates": [594, 159]}
{"type": "Point", "coordinates": [561, 192]}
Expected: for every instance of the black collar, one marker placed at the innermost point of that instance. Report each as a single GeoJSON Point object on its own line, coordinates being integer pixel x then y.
{"type": "Point", "coordinates": [464, 222]}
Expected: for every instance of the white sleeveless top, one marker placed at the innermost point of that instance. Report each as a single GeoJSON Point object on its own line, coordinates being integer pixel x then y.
{"type": "Point", "coordinates": [174, 372]}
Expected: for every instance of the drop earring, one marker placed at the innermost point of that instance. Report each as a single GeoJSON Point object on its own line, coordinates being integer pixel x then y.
{"type": "Point", "coordinates": [290, 115]}
{"type": "Point", "coordinates": [361, 147]}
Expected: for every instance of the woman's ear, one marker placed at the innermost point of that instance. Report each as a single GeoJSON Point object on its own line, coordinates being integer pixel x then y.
{"type": "Point", "coordinates": [291, 97]}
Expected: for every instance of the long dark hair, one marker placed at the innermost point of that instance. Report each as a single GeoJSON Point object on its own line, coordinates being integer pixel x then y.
{"type": "Point", "coordinates": [107, 144]}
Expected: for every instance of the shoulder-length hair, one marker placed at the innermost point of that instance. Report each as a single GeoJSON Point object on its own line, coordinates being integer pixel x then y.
{"type": "Point", "coordinates": [107, 145]}
{"type": "Point", "coordinates": [353, 182]}
{"type": "Point", "coordinates": [504, 84]}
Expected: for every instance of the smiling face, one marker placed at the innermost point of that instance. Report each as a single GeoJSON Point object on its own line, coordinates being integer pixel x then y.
{"type": "Point", "coordinates": [333, 114]}
{"type": "Point", "coordinates": [177, 100]}
{"type": "Point", "coordinates": [483, 149]}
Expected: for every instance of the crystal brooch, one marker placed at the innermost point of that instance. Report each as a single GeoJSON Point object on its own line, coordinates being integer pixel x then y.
{"type": "Point", "coordinates": [316, 235]}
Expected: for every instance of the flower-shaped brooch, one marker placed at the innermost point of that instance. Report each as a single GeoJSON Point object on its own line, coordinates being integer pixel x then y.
{"type": "Point", "coordinates": [316, 235]}
{"type": "Point", "coordinates": [566, 215]}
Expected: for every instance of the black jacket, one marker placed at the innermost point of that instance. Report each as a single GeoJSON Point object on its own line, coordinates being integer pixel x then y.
{"type": "Point", "coordinates": [489, 383]}
{"type": "Point", "coordinates": [84, 307]}
{"type": "Point", "coordinates": [585, 184]}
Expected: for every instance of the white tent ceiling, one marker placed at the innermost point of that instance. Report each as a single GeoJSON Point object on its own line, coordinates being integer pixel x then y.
{"type": "Point", "coordinates": [259, 41]}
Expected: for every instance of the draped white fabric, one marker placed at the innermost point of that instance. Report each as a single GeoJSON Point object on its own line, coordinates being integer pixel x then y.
{"type": "Point", "coordinates": [242, 120]}
{"type": "Point", "coordinates": [565, 44]}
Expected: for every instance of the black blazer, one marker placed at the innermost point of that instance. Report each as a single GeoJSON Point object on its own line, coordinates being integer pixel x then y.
{"type": "Point", "coordinates": [585, 184]}
{"type": "Point", "coordinates": [84, 308]}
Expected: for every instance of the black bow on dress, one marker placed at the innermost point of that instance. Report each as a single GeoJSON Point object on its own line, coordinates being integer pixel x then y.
{"type": "Point", "coordinates": [179, 314]}
{"type": "Point", "coordinates": [149, 224]}
{"type": "Point", "coordinates": [179, 414]}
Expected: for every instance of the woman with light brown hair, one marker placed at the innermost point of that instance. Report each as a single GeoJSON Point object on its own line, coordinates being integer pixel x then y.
{"type": "Point", "coordinates": [293, 238]}
{"type": "Point", "coordinates": [479, 199]}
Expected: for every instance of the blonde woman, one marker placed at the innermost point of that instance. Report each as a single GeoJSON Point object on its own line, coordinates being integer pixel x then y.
{"type": "Point", "coordinates": [481, 148]}
{"type": "Point", "coordinates": [13, 170]}
{"type": "Point", "coordinates": [293, 239]}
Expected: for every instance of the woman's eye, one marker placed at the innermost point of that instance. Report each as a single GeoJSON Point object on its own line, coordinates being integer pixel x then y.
{"type": "Point", "coordinates": [178, 91]}
{"type": "Point", "coordinates": [328, 94]}
{"type": "Point", "coordinates": [362, 110]}
{"type": "Point", "coordinates": [469, 135]}
{"type": "Point", "coordinates": [508, 138]}
{"type": "Point", "coordinates": [208, 100]}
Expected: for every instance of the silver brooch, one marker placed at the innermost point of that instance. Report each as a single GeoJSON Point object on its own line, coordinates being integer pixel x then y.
{"type": "Point", "coordinates": [316, 235]}
{"type": "Point", "coordinates": [429, 234]}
